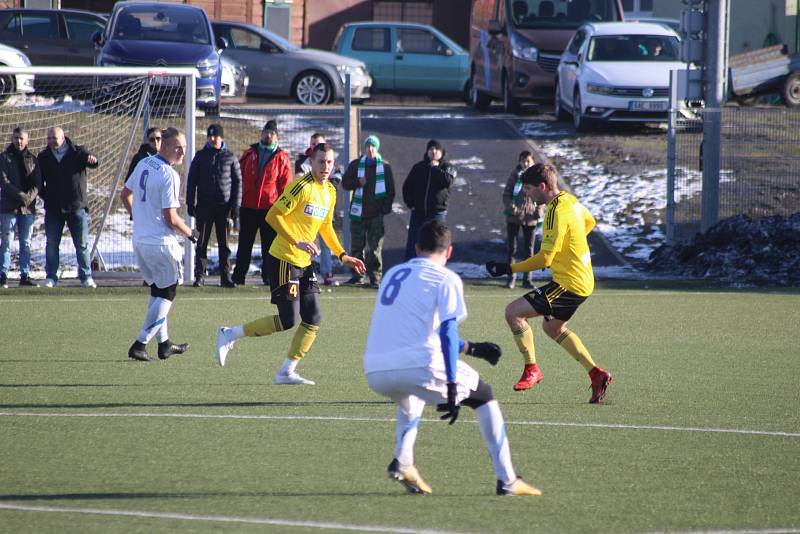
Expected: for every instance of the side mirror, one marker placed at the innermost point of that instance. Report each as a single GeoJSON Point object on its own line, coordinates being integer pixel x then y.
{"type": "Point", "coordinates": [97, 37]}
{"type": "Point", "coordinates": [221, 43]}
{"type": "Point", "coordinates": [448, 52]}
{"type": "Point", "coordinates": [494, 27]}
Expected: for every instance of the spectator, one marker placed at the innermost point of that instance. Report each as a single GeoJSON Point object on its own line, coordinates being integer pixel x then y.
{"type": "Point", "coordinates": [150, 148]}
{"type": "Point", "coordinates": [20, 182]}
{"type": "Point", "coordinates": [266, 169]}
{"type": "Point", "coordinates": [302, 165]}
{"type": "Point", "coordinates": [213, 195]}
{"type": "Point", "coordinates": [522, 213]}
{"type": "Point", "coordinates": [153, 204]}
{"type": "Point", "coordinates": [303, 210]}
{"type": "Point", "coordinates": [63, 166]}
{"type": "Point", "coordinates": [371, 179]}
{"type": "Point", "coordinates": [426, 191]}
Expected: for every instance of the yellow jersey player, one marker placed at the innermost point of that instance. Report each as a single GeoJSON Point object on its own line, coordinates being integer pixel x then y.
{"type": "Point", "coordinates": [565, 250]}
{"type": "Point", "coordinates": [304, 209]}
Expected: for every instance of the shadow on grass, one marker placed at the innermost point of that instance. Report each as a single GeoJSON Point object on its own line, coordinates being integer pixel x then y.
{"type": "Point", "coordinates": [182, 495]}
{"type": "Point", "coordinates": [197, 404]}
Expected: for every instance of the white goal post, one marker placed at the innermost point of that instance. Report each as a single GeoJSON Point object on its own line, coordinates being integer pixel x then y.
{"type": "Point", "coordinates": [107, 110]}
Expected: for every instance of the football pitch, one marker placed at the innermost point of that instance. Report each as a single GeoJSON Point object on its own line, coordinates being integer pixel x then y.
{"type": "Point", "coordinates": [700, 431]}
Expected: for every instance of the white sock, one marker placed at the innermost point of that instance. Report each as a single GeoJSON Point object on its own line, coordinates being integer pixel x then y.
{"type": "Point", "coordinates": [406, 428]}
{"type": "Point", "coordinates": [155, 319]}
{"type": "Point", "coordinates": [288, 366]}
{"type": "Point", "coordinates": [493, 430]}
{"type": "Point", "coordinates": [162, 334]}
{"type": "Point", "coordinates": [236, 332]}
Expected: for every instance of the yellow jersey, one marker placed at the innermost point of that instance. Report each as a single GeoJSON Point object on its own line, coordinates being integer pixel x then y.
{"type": "Point", "coordinates": [566, 224]}
{"type": "Point", "coordinates": [306, 208]}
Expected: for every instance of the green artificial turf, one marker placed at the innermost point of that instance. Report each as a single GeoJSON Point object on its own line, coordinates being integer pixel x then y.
{"type": "Point", "coordinates": [675, 448]}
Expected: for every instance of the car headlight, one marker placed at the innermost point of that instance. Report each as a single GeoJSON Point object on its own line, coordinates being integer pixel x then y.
{"type": "Point", "coordinates": [521, 48]}
{"type": "Point", "coordinates": [352, 71]}
{"type": "Point", "coordinates": [208, 68]}
{"type": "Point", "coordinates": [599, 89]}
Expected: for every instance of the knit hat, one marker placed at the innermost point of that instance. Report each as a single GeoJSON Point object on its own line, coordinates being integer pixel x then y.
{"type": "Point", "coordinates": [272, 126]}
{"type": "Point", "coordinates": [374, 141]}
{"type": "Point", "coordinates": [215, 129]}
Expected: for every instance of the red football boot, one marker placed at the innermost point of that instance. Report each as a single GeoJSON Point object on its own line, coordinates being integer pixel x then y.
{"type": "Point", "coordinates": [530, 376]}
{"type": "Point", "coordinates": [600, 381]}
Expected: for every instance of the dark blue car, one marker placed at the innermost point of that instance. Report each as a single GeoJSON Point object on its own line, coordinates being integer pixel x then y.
{"type": "Point", "coordinates": [164, 34]}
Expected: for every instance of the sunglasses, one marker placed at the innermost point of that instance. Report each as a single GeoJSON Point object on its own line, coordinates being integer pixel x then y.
{"type": "Point", "coordinates": [154, 139]}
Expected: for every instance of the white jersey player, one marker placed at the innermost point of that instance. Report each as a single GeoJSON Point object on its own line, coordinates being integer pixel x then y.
{"type": "Point", "coordinates": [412, 358]}
{"type": "Point", "coordinates": [151, 196]}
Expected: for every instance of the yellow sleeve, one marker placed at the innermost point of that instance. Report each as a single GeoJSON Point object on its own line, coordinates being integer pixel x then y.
{"type": "Point", "coordinates": [540, 260]}
{"type": "Point", "coordinates": [275, 220]}
{"type": "Point", "coordinates": [588, 221]}
{"type": "Point", "coordinates": [285, 204]}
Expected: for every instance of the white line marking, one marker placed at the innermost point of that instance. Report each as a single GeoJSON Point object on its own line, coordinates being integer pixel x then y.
{"type": "Point", "coordinates": [220, 518]}
{"type": "Point", "coordinates": [610, 426]}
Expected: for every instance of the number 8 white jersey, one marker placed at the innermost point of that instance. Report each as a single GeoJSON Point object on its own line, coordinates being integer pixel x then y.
{"type": "Point", "coordinates": [155, 185]}
{"type": "Point", "coordinates": [414, 299]}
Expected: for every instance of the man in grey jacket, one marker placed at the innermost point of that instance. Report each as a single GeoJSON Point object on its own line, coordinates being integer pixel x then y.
{"type": "Point", "coordinates": [20, 182]}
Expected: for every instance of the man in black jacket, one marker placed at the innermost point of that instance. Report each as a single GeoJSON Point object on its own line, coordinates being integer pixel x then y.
{"type": "Point", "coordinates": [63, 166]}
{"type": "Point", "coordinates": [20, 182]}
{"type": "Point", "coordinates": [426, 192]}
{"type": "Point", "coordinates": [213, 197]}
{"type": "Point", "coordinates": [150, 148]}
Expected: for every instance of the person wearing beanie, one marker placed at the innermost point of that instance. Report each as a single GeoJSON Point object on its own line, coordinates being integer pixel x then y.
{"type": "Point", "coordinates": [266, 169]}
{"type": "Point", "coordinates": [213, 195]}
{"type": "Point", "coordinates": [20, 182]}
{"type": "Point", "coordinates": [371, 180]}
{"type": "Point", "coordinates": [426, 192]}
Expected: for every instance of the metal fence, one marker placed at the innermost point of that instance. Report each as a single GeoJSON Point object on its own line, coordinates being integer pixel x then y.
{"type": "Point", "coordinates": [759, 165]}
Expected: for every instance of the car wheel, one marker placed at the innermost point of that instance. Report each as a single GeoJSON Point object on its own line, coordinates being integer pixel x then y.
{"type": "Point", "coordinates": [791, 91]}
{"type": "Point", "coordinates": [578, 120]}
{"type": "Point", "coordinates": [477, 99]}
{"type": "Point", "coordinates": [510, 104]}
{"type": "Point", "coordinates": [558, 108]}
{"type": "Point", "coordinates": [7, 87]}
{"type": "Point", "coordinates": [312, 89]}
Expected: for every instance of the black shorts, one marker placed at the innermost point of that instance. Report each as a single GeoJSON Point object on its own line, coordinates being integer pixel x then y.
{"type": "Point", "coordinates": [288, 281]}
{"type": "Point", "coordinates": [552, 300]}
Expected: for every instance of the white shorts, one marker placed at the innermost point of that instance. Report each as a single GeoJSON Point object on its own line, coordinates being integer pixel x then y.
{"type": "Point", "coordinates": [161, 265]}
{"type": "Point", "coordinates": [424, 383]}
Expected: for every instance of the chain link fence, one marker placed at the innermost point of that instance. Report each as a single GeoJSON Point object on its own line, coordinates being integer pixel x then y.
{"type": "Point", "coordinates": [759, 165]}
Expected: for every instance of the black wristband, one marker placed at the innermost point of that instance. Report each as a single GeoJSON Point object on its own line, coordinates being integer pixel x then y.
{"type": "Point", "coordinates": [340, 256]}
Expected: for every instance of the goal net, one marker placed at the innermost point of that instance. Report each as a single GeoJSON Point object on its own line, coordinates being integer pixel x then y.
{"type": "Point", "coordinates": [107, 110]}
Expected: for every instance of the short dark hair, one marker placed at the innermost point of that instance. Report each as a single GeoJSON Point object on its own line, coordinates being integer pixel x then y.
{"type": "Point", "coordinates": [153, 129]}
{"type": "Point", "coordinates": [321, 147]}
{"type": "Point", "coordinates": [317, 135]}
{"type": "Point", "coordinates": [434, 236]}
{"type": "Point", "coordinates": [524, 154]}
{"type": "Point", "coordinates": [541, 173]}
{"type": "Point", "coordinates": [20, 130]}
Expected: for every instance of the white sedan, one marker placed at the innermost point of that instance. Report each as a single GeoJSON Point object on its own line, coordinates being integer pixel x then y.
{"type": "Point", "coordinates": [617, 71]}
{"type": "Point", "coordinates": [19, 83]}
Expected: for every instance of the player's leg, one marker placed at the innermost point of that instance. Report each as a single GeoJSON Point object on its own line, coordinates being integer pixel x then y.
{"type": "Point", "coordinates": [306, 332]}
{"type": "Point", "coordinates": [402, 467]}
{"type": "Point", "coordinates": [564, 307]}
{"type": "Point", "coordinates": [517, 314]}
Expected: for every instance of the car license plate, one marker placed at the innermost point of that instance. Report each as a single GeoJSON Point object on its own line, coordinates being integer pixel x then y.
{"type": "Point", "coordinates": [166, 81]}
{"type": "Point", "coordinates": [648, 105]}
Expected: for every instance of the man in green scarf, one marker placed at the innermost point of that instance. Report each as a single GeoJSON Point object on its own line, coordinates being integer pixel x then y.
{"type": "Point", "coordinates": [370, 178]}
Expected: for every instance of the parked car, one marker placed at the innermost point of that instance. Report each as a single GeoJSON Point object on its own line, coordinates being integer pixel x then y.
{"type": "Point", "coordinates": [234, 78]}
{"type": "Point", "coordinates": [405, 57]}
{"type": "Point", "coordinates": [617, 72]}
{"type": "Point", "coordinates": [52, 37]}
{"type": "Point", "coordinates": [164, 35]}
{"type": "Point", "coordinates": [515, 45]}
{"type": "Point", "coordinates": [14, 83]}
{"type": "Point", "coordinates": [277, 67]}
{"type": "Point", "coordinates": [673, 24]}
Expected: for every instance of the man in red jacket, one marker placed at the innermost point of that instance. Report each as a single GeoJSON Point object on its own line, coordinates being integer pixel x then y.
{"type": "Point", "coordinates": [266, 169]}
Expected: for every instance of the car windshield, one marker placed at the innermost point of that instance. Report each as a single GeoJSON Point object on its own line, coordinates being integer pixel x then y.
{"type": "Point", "coordinates": [633, 48]}
{"type": "Point", "coordinates": [162, 23]}
{"type": "Point", "coordinates": [279, 41]}
{"type": "Point", "coordinates": [561, 14]}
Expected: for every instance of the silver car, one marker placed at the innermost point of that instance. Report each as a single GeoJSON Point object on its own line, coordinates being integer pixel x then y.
{"type": "Point", "coordinates": [277, 67]}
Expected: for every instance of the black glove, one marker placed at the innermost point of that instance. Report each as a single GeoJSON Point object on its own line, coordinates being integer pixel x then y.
{"type": "Point", "coordinates": [451, 407]}
{"type": "Point", "coordinates": [487, 350]}
{"type": "Point", "coordinates": [497, 268]}
{"type": "Point", "coordinates": [195, 236]}
{"type": "Point", "coordinates": [190, 210]}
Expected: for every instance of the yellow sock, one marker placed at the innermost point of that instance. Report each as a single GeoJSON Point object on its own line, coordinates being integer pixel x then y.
{"type": "Point", "coordinates": [263, 327]}
{"type": "Point", "coordinates": [524, 340]}
{"type": "Point", "coordinates": [572, 344]}
{"type": "Point", "coordinates": [303, 338]}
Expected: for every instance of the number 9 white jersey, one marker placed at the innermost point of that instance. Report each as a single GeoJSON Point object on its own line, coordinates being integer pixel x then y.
{"type": "Point", "coordinates": [155, 185]}
{"type": "Point", "coordinates": [414, 299]}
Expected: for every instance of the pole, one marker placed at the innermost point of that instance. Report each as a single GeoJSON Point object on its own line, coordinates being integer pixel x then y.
{"type": "Point", "coordinates": [671, 147]}
{"type": "Point", "coordinates": [716, 46]}
{"type": "Point", "coordinates": [191, 96]}
{"type": "Point", "coordinates": [348, 136]}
